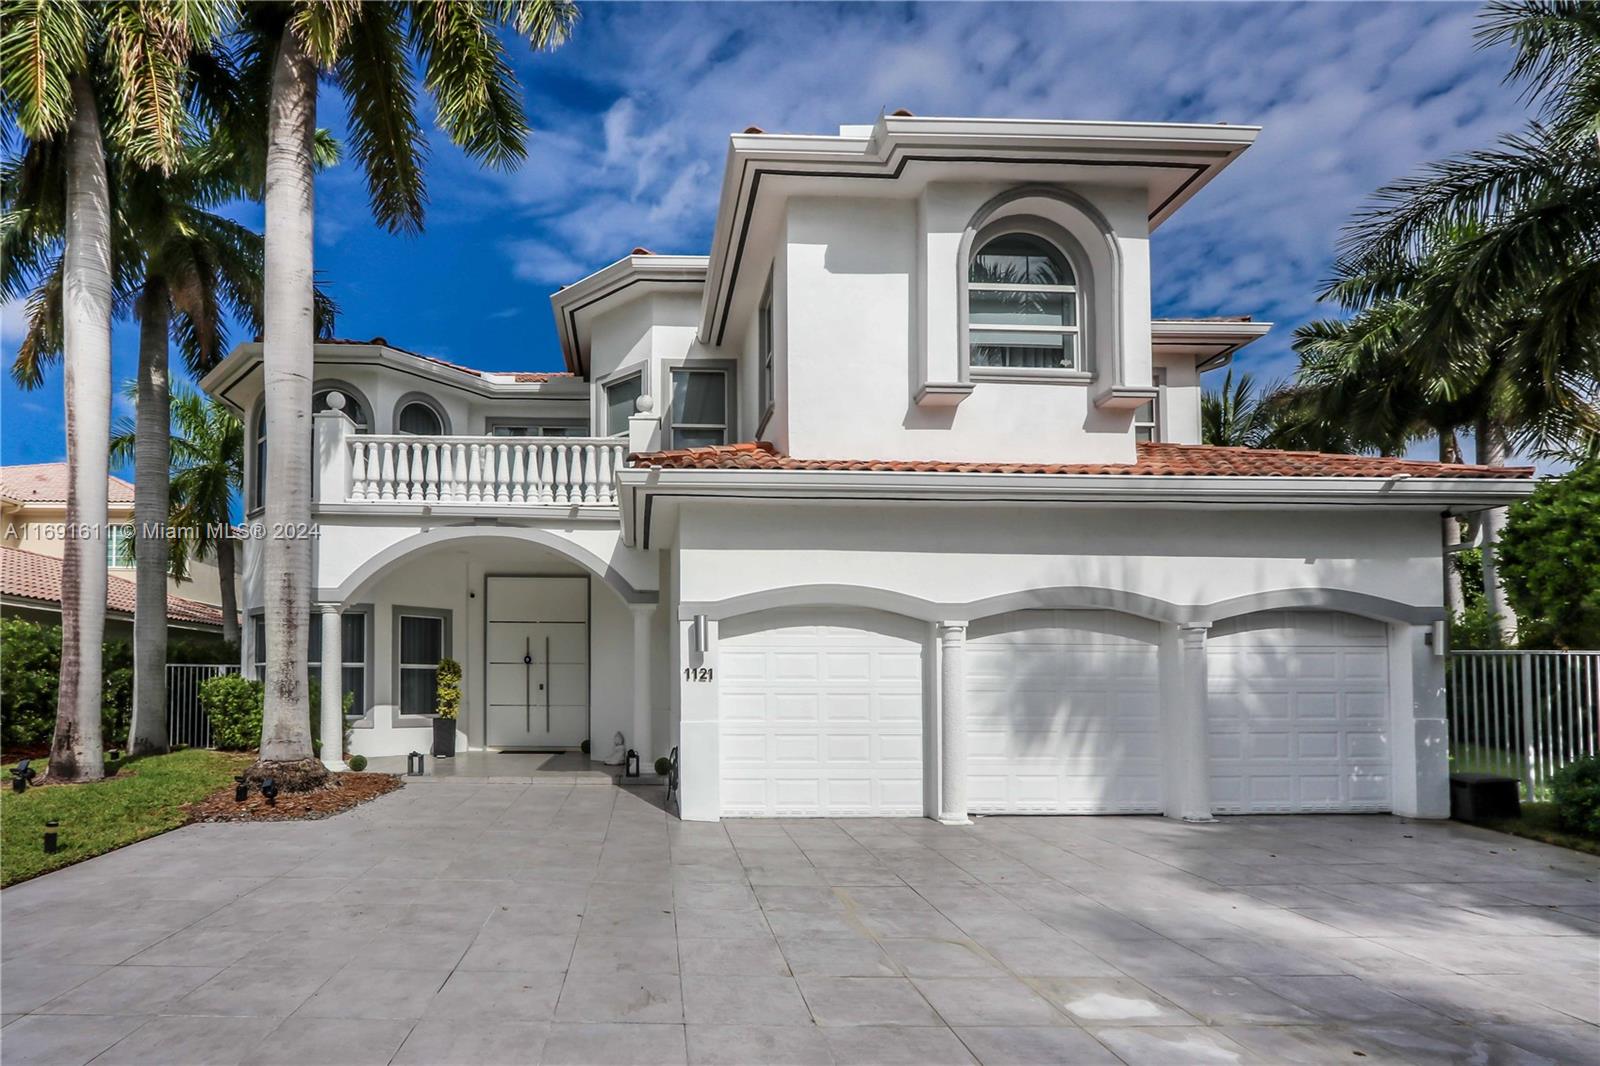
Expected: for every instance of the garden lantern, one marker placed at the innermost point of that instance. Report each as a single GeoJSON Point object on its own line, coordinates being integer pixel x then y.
{"type": "Point", "coordinates": [416, 762]}
{"type": "Point", "coordinates": [633, 764]}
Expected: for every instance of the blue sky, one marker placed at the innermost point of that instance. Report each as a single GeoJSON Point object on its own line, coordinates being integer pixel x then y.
{"type": "Point", "coordinates": [631, 122]}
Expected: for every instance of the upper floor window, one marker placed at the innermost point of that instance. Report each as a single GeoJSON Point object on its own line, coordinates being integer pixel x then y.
{"type": "Point", "coordinates": [765, 352]}
{"type": "Point", "coordinates": [1022, 306]}
{"type": "Point", "coordinates": [622, 400]}
{"type": "Point", "coordinates": [352, 405]}
{"type": "Point", "coordinates": [536, 427]}
{"type": "Point", "coordinates": [699, 408]}
{"type": "Point", "coordinates": [419, 419]}
{"type": "Point", "coordinates": [119, 546]}
{"type": "Point", "coordinates": [258, 482]}
{"type": "Point", "coordinates": [1147, 416]}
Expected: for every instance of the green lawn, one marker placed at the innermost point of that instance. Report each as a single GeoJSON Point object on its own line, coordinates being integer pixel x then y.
{"type": "Point", "coordinates": [1538, 822]}
{"type": "Point", "coordinates": [147, 798]}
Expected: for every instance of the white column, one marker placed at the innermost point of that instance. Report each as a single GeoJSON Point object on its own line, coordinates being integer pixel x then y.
{"type": "Point", "coordinates": [642, 741]}
{"type": "Point", "coordinates": [1419, 750]}
{"type": "Point", "coordinates": [1188, 764]}
{"type": "Point", "coordinates": [332, 689]}
{"type": "Point", "coordinates": [953, 723]}
{"type": "Point", "coordinates": [644, 426]}
{"type": "Point", "coordinates": [699, 740]}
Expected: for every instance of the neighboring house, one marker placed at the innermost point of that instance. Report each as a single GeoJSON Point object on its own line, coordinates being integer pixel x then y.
{"type": "Point", "coordinates": [894, 504]}
{"type": "Point", "coordinates": [33, 526]}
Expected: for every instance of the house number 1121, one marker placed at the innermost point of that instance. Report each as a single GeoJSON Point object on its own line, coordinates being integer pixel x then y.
{"type": "Point", "coordinates": [697, 674]}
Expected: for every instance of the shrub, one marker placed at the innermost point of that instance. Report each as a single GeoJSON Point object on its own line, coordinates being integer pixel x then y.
{"type": "Point", "coordinates": [1576, 790]}
{"type": "Point", "coordinates": [663, 766]}
{"type": "Point", "coordinates": [449, 700]}
{"type": "Point", "coordinates": [358, 763]}
{"type": "Point", "coordinates": [30, 671]}
{"type": "Point", "coordinates": [30, 668]}
{"type": "Point", "coordinates": [314, 694]}
{"type": "Point", "coordinates": [233, 703]}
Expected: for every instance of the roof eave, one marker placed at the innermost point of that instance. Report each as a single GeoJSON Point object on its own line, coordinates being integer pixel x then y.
{"type": "Point", "coordinates": [605, 285]}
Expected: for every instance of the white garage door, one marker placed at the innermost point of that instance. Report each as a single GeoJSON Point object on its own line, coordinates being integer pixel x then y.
{"type": "Point", "coordinates": [821, 714]}
{"type": "Point", "coordinates": [1299, 714]}
{"type": "Point", "coordinates": [1063, 713]}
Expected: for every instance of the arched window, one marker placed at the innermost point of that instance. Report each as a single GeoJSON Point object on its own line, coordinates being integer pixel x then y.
{"type": "Point", "coordinates": [419, 419]}
{"type": "Point", "coordinates": [353, 406]}
{"type": "Point", "coordinates": [258, 486]}
{"type": "Point", "coordinates": [1023, 306]}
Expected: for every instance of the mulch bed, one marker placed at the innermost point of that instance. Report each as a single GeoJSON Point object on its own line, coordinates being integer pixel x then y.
{"type": "Point", "coordinates": [345, 791]}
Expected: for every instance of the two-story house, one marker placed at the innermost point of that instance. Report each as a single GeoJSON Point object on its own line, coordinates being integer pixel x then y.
{"type": "Point", "coordinates": [893, 504]}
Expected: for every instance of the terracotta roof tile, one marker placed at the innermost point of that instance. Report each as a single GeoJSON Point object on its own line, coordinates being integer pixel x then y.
{"type": "Point", "coordinates": [47, 483]}
{"type": "Point", "coordinates": [1154, 460]}
{"type": "Point", "coordinates": [31, 576]}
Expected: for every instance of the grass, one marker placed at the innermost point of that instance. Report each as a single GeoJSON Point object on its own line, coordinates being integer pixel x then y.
{"type": "Point", "coordinates": [1538, 822]}
{"type": "Point", "coordinates": [146, 799]}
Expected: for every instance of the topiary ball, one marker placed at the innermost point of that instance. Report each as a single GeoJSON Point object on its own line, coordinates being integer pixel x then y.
{"type": "Point", "coordinates": [358, 763]}
{"type": "Point", "coordinates": [663, 766]}
{"type": "Point", "coordinates": [584, 747]}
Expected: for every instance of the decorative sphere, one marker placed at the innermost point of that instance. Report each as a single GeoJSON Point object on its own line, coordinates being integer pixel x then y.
{"type": "Point", "coordinates": [335, 400]}
{"type": "Point", "coordinates": [645, 404]}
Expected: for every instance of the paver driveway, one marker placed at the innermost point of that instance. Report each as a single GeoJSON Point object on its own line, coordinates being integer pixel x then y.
{"type": "Point", "coordinates": [505, 923]}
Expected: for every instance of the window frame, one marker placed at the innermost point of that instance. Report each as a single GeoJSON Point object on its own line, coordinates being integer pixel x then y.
{"type": "Point", "coordinates": [604, 388]}
{"type": "Point", "coordinates": [729, 370]}
{"type": "Point", "coordinates": [766, 357]}
{"type": "Point", "coordinates": [424, 400]}
{"type": "Point", "coordinates": [1158, 378]}
{"type": "Point", "coordinates": [119, 533]}
{"type": "Point", "coordinates": [1082, 291]}
{"type": "Point", "coordinates": [358, 713]}
{"type": "Point", "coordinates": [258, 480]}
{"type": "Point", "coordinates": [443, 616]}
{"type": "Point", "coordinates": [539, 426]}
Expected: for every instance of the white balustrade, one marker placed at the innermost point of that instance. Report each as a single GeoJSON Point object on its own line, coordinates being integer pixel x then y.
{"type": "Point", "coordinates": [541, 471]}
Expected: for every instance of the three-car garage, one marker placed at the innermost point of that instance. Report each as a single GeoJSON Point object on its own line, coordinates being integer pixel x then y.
{"type": "Point", "coordinates": [831, 711]}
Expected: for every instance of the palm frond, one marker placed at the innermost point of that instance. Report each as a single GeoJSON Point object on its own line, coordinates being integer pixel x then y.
{"type": "Point", "coordinates": [41, 341]}
{"type": "Point", "coordinates": [474, 89]}
{"type": "Point", "coordinates": [374, 73]}
{"type": "Point", "coordinates": [43, 44]}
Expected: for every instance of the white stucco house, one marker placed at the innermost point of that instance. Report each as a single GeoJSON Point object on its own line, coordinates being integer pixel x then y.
{"type": "Point", "coordinates": [893, 504]}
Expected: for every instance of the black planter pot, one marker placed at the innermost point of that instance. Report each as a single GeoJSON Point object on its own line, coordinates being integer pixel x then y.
{"type": "Point", "coordinates": [444, 738]}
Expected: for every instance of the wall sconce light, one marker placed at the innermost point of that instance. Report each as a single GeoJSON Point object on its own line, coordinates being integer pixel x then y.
{"type": "Point", "coordinates": [702, 639]}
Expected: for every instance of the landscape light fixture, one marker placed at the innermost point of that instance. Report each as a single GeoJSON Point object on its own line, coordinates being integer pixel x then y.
{"type": "Point", "coordinates": [269, 789]}
{"type": "Point", "coordinates": [52, 842]}
{"type": "Point", "coordinates": [22, 776]}
{"type": "Point", "coordinates": [241, 789]}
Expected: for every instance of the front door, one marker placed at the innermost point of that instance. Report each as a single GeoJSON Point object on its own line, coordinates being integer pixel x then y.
{"type": "Point", "coordinates": [538, 662]}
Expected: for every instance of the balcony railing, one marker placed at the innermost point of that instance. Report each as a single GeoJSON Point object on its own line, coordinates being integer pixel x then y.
{"type": "Point", "coordinates": [550, 471]}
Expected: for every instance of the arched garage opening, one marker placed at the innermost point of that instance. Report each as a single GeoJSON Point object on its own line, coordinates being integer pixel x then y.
{"type": "Point", "coordinates": [1063, 713]}
{"type": "Point", "coordinates": [1298, 713]}
{"type": "Point", "coordinates": [821, 713]}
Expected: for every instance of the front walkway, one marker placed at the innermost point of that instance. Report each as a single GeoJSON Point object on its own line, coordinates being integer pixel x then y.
{"type": "Point", "coordinates": [476, 922]}
{"type": "Point", "coordinates": [509, 767]}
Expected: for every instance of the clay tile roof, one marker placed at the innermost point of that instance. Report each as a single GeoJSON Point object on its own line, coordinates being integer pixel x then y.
{"type": "Point", "coordinates": [31, 576]}
{"type": "Point", "coordinates": [47, 483]}
{"type": "Point", "coordinates": [754, 129]}
{"type": "Point", "coordinates": [521, 377]}
{"type": "Point", "coordinates": [901, 113]}
{"type": "Point", "coordinates": [641, 250]}
{"type": "Point", "coordinates": [1154, 460]}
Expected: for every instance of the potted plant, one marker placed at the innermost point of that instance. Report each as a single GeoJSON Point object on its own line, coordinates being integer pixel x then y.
{"type": "Point", "coordinates": [447, 706]}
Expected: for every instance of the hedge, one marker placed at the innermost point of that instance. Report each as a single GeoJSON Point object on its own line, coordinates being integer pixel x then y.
{"type": "Point", "coordinates": [30, 671]}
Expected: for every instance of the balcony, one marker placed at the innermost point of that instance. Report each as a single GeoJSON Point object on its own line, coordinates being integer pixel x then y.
{"type": "Point", "coordinates": [464, 475]}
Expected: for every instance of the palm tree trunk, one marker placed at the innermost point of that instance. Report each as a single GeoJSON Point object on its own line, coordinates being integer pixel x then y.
{"type": "Point", "coordinates": [226, 568]}
{"type": "Point", "coordinates": [75, 750]}
{"type": "Point", "coordinates": [1492, 451]}
{"type": "Point", "coordinates": [287, 363]}
{"type": "Point", "coordinates": [1450, 452]}
{"type": "Point", "coordinates": [152, 459]}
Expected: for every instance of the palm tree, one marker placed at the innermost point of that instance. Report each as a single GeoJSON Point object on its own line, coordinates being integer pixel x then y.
{"type": "Point", "coordinates": [371, 50]}
{"type": "Point", "coordinates": [61, 66]}
{"type": "Point", "coordinates": [1233, 416]}
{"type": "Point", "coordinates": [207, 473]}
{"type": "Point", "coordinates": [1494, 257]}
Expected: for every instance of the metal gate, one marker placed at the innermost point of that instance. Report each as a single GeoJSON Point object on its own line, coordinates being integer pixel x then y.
{"type": "Point", "coordinates": [1524, 714]}
{"type": "Point", "coordinates": [187, 723]}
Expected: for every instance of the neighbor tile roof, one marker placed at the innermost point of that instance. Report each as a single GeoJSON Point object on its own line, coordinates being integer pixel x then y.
{"type": "Point", "coordinates": [521, 377]}
{"type": "Point", "coordinates": [31, 576]}
{"type": "Point", "coordinates": [47, 483]}
{"type": "Point", "coordinates": [1155, 460]}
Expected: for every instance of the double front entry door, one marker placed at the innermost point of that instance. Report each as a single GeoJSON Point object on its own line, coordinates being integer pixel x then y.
{"type": "Point", "coordinates": [538, 661]}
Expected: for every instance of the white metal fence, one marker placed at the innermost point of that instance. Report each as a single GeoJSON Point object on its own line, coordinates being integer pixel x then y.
{"type": "Point", "coordinates": [187, 723]}
{"type": "Point", "coordinates": [1524, 714]}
